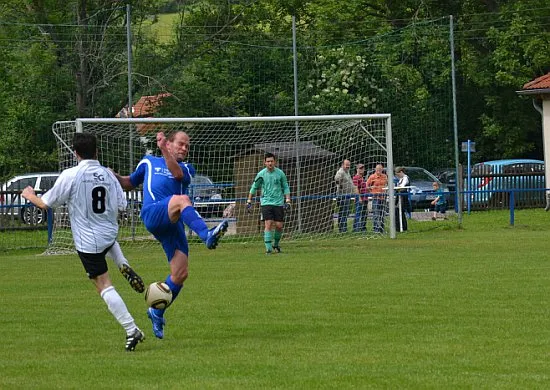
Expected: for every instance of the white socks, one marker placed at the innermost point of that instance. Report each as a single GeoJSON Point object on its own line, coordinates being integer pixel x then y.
{"type": "Point", "coordinates": [118, 308]}
{"type": "Point", "coordinates": [116, 254]}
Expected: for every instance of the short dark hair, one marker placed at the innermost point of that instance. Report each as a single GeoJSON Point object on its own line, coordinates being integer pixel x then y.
{"type": "Point", "coordinates": [85, 145]}
{"type": "Point", "coordinates": [269, 155]}
{"type": "Point", "coordinates": [171, 135]}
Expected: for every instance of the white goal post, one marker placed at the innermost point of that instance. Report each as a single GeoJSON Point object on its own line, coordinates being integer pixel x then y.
{"type": "Point", "coordinates": [227, 153]}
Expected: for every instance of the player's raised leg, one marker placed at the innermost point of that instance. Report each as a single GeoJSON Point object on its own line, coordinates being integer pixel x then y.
{"type": "Point", "coordinates": [115, 252]}
{"type": "Point", "coordinates": [180, 207]}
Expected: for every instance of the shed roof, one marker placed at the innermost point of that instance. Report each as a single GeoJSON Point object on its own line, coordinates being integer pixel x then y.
{"type": "Point", "coordinates": [538, 86]}
{"type": "Point", "coordinates": [148, 105]}
{"type": "Point", "coordinates": [286, 150]}
{"type": "Point", "coordinates": [145, 106]}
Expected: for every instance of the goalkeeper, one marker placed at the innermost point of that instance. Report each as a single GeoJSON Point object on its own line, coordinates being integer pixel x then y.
{"type": "Point", "coordinates": [274, 199]}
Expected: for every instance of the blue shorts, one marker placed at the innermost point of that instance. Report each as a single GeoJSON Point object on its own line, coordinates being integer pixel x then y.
{"type": "Point", "coordinates": [441, 208]}
{"type": "Point", "coordinates": [170, 235]}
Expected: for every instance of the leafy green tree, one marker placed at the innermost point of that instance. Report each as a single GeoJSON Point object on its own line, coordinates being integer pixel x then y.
{"type": "Point", "coordinates": [499, 52]}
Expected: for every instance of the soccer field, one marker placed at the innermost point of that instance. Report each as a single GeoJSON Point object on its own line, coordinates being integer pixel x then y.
{"type": "Point", "coordinates": [442, 308]}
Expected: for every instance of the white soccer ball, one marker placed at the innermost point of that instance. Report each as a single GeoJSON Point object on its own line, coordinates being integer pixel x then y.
{"type": "Point", "coordinates": [158, 295]}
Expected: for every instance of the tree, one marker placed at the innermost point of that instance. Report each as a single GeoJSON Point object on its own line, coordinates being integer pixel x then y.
{"type": "Point", "coordinates": [499, 52]}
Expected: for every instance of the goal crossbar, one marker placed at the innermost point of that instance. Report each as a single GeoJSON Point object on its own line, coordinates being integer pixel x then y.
{"type": "Point", "coordinates": [227, 152]}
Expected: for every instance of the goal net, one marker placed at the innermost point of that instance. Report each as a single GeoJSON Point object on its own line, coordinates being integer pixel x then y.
{"type": "Point", "coordinates": [227, 153]}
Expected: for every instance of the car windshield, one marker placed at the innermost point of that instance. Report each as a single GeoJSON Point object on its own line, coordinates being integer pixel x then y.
{"type": "Point", "coordinates": [200, 180]}
{"type": "Point", "coordinates": [420, 175]}
{"type": "Point", "coordinates": [47, 182]}
{"type": "Point", "coordinates": [523, 168]}
{"type": "Point", "coordinates": [18, 185]}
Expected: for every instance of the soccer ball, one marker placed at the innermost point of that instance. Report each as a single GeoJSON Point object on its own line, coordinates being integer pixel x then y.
{"type": "Point", "coordinates": [158, 295]}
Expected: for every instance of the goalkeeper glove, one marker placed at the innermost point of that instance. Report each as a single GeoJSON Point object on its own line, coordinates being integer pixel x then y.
{"type": "Point", "coordinates": [287, 205]}
{"type": "Point", "coordinates": [248, 207]}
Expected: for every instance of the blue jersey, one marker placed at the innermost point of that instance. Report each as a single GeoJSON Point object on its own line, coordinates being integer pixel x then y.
{"type": "Point", "coordinates": [159, 186]}
{"type": "Point", "coordinates": [158, 182]}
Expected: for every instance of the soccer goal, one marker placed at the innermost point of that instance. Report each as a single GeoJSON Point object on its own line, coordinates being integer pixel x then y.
{"type": "Point", "coordinates": [227, 154]}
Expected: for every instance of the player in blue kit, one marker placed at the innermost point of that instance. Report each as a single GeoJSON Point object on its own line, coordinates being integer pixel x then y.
{"type": "Point", "coordinates": [166, 207]}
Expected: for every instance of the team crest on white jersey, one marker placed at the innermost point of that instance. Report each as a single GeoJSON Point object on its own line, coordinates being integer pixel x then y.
{"type": "Point", "coordinates": [98, 177]}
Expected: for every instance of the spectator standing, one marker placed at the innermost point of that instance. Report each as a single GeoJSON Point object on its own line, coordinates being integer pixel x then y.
{"type": "Point", "coordinates": [402, 195]}
{"type": "Point", "coordinates": [361, 209]}
{"type": "Point", "coordinates": [376, 184]}
{"type": "Point", "coordinates": [344, 190]}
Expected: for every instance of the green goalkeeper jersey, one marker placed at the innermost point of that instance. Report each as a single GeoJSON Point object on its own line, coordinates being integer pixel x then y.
{"type": "Point", "coordinates": [274, 186]}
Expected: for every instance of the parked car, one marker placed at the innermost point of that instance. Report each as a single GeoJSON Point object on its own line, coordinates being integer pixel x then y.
{"type": "Point", "coordinates": [206, 196]}
{"type": "Point", "coordinates": [14, 205]}
{"type": "Point", "coordinates": [421, 192]}
{"type": "Point", "coordinates": [447, 176]}
{"type": "Point", "coordinates": [492, 181]}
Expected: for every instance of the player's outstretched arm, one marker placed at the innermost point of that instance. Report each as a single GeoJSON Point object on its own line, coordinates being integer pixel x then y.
{"type": "Point", "coordinates": [124, 181]}
{"type": "Point", "coordinates": [29, 194]}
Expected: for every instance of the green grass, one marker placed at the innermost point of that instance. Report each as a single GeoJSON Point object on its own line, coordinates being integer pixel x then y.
{"type": "Point", "coordinates": [439, 307]}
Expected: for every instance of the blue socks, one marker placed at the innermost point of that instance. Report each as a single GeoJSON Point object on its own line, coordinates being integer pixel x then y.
{"type": "Point", "coordinates": [176, 288]}
{"type": "Point", "coordinates": [191, 218]}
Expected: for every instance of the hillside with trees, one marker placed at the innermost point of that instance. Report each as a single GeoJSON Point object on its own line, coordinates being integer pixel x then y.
{"type": "Point", "coordinates": [63, 60]}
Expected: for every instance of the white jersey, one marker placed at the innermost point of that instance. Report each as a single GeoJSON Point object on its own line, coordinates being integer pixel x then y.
{"type": "Point", "coordinates": [404, 181]}
{"type": "Point", "coordinates": [94, 197]}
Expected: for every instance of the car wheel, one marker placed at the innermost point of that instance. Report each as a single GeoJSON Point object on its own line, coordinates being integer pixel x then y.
{"type": "Point", "coordinates": [32, 215]}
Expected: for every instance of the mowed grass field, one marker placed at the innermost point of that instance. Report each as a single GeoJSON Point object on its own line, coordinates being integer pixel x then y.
{"type": "Point", "coordinates": [437, 308]}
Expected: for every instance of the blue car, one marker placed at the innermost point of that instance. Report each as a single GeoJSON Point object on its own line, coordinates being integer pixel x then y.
{"type": "Point", "coordinates": [492, 181]}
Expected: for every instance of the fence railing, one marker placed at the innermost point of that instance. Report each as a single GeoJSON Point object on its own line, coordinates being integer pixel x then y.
{"type": "Point", "coordinates": [489, 190]}
{"type": "Point", "coordinates": [15, 233]}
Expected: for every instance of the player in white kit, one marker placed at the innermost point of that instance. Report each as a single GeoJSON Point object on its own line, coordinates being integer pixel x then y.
{"type": "Point", "coordinates": [94, 197]}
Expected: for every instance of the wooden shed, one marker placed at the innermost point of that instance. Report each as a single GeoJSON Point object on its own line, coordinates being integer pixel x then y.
{"type": "Point", "coordinates": [314, 204]}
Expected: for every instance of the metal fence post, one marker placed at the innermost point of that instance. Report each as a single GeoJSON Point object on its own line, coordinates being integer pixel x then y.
{"type": "Point", "coordinates": [512, 202]}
